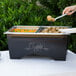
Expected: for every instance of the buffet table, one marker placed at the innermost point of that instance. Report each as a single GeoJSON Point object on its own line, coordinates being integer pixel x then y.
{"type": "Point", "coordinates": [37, 66]}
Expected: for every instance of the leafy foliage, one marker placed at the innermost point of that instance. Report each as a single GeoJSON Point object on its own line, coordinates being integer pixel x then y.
{"type": "Point", "coordinates": [30, 12]}
{"type": "Point", "coordinates": [20, 12]}
{"type": "Point", "coordinates": [56, 7]}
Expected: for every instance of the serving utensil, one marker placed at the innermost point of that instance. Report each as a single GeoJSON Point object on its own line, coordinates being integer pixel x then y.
{"type": "Point", "coordinates": [60, 16]}
{"type": "Point", "coordinates": [50, 18]}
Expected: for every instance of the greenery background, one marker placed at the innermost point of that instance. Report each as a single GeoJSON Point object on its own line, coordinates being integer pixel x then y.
{"type": "Point", "coordinates": [34, 12]}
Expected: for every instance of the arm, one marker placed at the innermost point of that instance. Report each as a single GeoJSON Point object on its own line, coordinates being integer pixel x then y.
{"type": "Point", "coordinates": [69, 10]}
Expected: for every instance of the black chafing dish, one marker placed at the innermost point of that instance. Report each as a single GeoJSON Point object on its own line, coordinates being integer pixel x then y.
{"type": "Point", "coordinates": [44, 41]}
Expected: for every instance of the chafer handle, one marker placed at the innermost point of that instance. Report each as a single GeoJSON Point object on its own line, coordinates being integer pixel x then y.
{"type": "Point", "coordinates": [69, 30]}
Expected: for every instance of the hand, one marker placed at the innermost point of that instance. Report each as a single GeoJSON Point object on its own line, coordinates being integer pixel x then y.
{"type": "Point", "coordinates": [69, 10]}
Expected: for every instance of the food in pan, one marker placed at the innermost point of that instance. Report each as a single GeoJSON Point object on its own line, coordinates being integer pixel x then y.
{"type": "Point", "coordinates": [23, 30]}
{"type": "Point", "coordinates": [52, 29]}
{"type": "Point", "coordinates": [49, 18]}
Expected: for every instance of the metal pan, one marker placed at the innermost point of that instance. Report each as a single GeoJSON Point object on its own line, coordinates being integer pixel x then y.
{"type": "Point", "coordinates": [38, 32]}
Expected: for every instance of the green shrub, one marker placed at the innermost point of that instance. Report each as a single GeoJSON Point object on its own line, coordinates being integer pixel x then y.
{"type": "Point", "coordinates": [69, 21]}
{"type": "Point", "coordinates": [20, 12]}
{"type": "Point", "coordinates": [56, 7]}
{"type": "Point", "coordinates": [26, 12]}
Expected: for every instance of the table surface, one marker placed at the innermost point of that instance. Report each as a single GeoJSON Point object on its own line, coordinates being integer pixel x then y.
{"type": "Point", "coordinates": [37, 66]}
